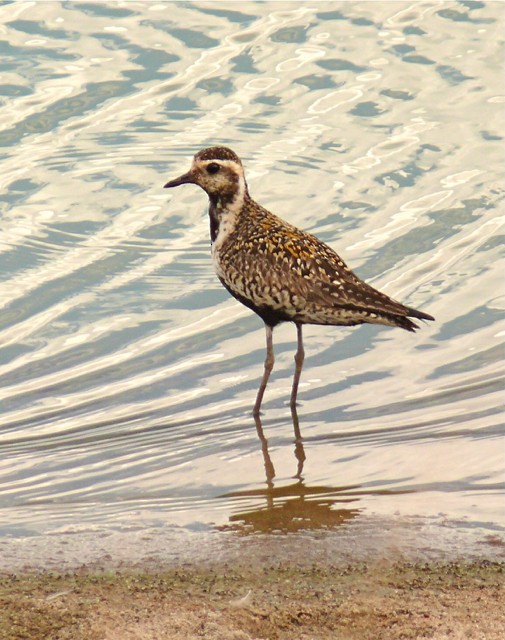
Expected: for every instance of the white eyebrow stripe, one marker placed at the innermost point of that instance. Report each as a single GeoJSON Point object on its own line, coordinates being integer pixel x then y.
{"type": "Point", "coordinates": [233, 164]}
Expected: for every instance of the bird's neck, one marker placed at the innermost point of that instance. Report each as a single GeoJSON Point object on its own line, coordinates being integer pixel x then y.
{"type": "Point", "coordinates": [224, 211]}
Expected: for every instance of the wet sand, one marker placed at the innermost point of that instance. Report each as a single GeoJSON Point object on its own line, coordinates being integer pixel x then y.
{"type": "Point", "coordinates": [460, 600]}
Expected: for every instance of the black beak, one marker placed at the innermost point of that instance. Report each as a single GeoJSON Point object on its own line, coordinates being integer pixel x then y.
{"type": "Point", "coordinates": [187, 178]}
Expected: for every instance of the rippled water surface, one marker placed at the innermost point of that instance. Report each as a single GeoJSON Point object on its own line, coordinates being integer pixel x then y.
{"type": "Point", "coordinates": [127, 374]}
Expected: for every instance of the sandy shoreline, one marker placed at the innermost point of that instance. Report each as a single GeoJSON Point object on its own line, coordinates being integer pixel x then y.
{"type": "Point", "coordinates": [373, 578]}
{"type": "Point", "coordinates": [361, 601]}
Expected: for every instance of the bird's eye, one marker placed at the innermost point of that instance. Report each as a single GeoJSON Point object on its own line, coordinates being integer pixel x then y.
{"type": "Point", "coordinates": [213, 167]}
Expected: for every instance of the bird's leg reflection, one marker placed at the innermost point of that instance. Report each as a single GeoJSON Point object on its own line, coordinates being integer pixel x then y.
{"type": "Point", "coordinates": [294, 506]}
{"type": "Point", "coordinates": [299, 450]}
{"type": "Point", "coordinates": [269, 467]}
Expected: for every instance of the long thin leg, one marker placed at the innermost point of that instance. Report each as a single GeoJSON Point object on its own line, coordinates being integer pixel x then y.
{"type": "Point", "coordinates": [269, 365]}
{"type": "Point", "coordinates": [299, 358]}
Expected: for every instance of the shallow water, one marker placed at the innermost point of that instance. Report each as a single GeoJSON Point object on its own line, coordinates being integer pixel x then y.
{"type": "Point", "coordinates": [127, 374]}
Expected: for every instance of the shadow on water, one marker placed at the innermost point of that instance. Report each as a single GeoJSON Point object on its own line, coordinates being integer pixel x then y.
{"type": "Point", "coordinates": [296, 506]}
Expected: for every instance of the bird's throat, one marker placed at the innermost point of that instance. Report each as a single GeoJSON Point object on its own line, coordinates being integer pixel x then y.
{"type": "Point", "coordinates": [224, 211]}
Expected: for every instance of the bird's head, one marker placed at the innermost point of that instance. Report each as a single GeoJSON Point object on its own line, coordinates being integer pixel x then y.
{"type": "Point", "coordinates": [218, 171]}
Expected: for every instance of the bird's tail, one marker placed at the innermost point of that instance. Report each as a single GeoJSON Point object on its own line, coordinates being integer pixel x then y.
{"type": "Point", "coordinates": [405, 323]}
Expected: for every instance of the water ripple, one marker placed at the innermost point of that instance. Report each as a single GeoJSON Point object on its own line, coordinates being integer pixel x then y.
{"type": "Point", "coordinates": [126, 372]}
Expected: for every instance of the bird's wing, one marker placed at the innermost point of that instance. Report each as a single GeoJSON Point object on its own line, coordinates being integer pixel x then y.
{"type": "Point", "coordinates": [318, 274]}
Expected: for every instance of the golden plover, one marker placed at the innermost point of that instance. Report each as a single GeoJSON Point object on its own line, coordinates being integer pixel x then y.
{"type": "Point", "coordinates": [279, 271]}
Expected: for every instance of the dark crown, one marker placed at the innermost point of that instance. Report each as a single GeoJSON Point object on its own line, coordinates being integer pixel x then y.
{"type": "Point", "coordinates": [217, 153]}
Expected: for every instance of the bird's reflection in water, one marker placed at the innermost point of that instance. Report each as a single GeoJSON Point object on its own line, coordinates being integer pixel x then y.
{"type": "Point", "coordinates": [293, 507]}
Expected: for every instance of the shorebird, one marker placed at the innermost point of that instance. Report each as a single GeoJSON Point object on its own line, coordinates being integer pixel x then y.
{"type": "Point", "coordinates": [279, 271]}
